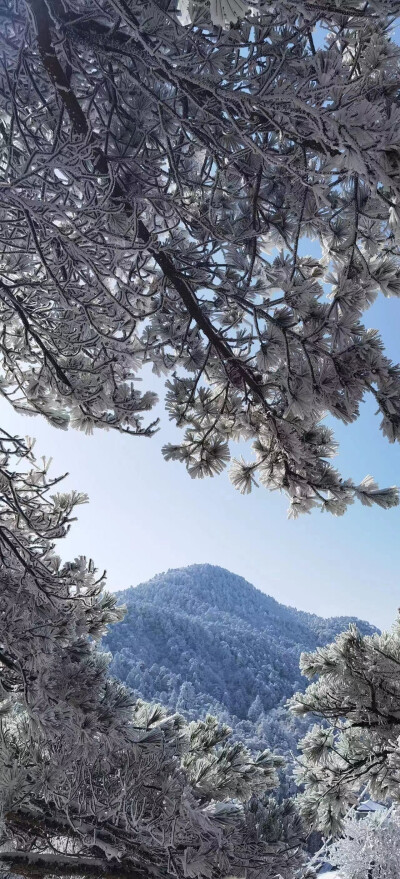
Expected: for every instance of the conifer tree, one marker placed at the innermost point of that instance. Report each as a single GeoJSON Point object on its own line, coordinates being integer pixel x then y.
{"type": "Point", "coordinates": [354, 749]}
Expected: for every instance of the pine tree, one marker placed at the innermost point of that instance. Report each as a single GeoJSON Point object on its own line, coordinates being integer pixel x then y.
{"type": "Point", "coordinates": [186, 697]}
{"type": "Point", "coordinates": [160, 180]}
{"type": "Point", "coordinates": [256, 709]}
{"type": "Point", "coordinates": [355, 747]}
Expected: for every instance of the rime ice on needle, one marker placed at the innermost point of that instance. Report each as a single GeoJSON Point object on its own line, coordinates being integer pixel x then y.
{"type": "Point", "coordinates": [158, 182]}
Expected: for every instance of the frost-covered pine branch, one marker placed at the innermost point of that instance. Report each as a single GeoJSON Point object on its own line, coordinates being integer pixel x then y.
{"type": "Point", "coordinates": [158, 182]}
{"type": "Point", "coordinates": [355, 745]}
{"type": "Point", "coordinates": [368, 847]}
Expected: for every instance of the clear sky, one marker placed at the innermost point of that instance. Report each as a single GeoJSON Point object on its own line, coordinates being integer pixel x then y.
{"type": "Point", "coordinates": [146, 515]}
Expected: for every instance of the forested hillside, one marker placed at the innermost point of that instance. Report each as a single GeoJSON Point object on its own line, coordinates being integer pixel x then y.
{"type": "Point", "coordinates": [203, 640]}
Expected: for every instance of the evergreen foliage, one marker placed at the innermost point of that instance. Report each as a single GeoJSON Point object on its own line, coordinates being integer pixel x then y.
{"type": "Point", "coordinates": [160, 175]}
{"type": "Point", "coordinates": [369, 848]}
{"type": "Point", "coordinates": [355, 747]}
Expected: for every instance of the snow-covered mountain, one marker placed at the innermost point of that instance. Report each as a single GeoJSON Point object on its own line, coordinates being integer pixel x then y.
{"type": "Point", "coordinates": [203, 640]}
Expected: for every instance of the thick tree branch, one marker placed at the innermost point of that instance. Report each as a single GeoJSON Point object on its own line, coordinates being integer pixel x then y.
{"type": "Point", "coordinates": [48, 864]}
{"type": "Point", "coordinates": [181, 285]}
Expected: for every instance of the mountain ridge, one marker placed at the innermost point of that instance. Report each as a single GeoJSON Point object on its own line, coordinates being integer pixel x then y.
{"type": "Point", "coordinates": [201, 639]}
{"type": "Point", "coordinates": [161, 580]}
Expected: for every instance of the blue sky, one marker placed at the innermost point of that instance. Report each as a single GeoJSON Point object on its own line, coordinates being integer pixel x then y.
{"type": "Point", "coordinates": [146, 515]}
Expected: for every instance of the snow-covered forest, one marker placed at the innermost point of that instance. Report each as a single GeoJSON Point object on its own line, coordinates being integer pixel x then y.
{"type": "Point", "coordinates": [163, 166]}
{"type": "Point", "coordinates": [201, 640]}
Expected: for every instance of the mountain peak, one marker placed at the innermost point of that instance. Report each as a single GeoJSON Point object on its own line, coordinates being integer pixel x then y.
{"type": "Point", "coordinates": [209, 628]}
{"type": "Point", "coordinates": [196, 587]}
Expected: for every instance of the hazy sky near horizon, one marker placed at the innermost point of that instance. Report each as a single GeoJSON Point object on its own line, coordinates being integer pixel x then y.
{"type": "Point", "coordinates": [146, 515]}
